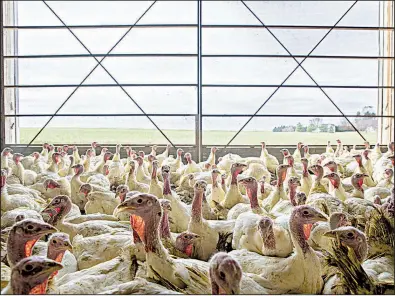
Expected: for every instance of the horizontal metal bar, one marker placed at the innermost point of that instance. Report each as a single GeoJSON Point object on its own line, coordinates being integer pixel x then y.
{"type": "Point", "coordinates": [195, 85]}
{"type": "Point", "coordinates": [21, 145]}
{"type": "Point", "coordinates": [194, 115]}
{"type": "Point", "coordinates": [303, 27]}
{"type": "Point", "coordinates": [101, 115]}
{"type": "Point", "coordinates": [297, 86]}
{"type": "Point", "coordinates": [295, 115]}
{"type": "Point", "coordinates": [99, 85]}
{"type": "Point", "coordinates": [56, 56]}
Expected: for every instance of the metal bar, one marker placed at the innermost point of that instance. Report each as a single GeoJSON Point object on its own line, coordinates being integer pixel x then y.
{"type": "Point", "coordinates": [2, 79]}
{"type": "Point", "coordinates": [304, 70]}
{"type": "Point", "coordinates": [86, 77]}
{"type": "Point", "coordinates": [102, 115]}
{"type": "Point", "coordinates": [77, 55]}
{"type": "Point", "coordinates": [296, 115]}
{"type": "Point", "coordinates": [194, 115]}
{"type": "Point", "coordinates": [286, 27]}
{"type": "Point", "coordinates": [112, 77]}
{"type": "Point", "coordinates": [290, 74]}
{"type": "Point", "coordinates": [195, 85]}
{"type": "Point", "coordinates": [57, 56]}
{"type": "Point", "coordinates": [199, 131]}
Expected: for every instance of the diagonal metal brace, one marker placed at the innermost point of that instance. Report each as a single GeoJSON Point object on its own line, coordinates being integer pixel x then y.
{"type": "Point", "coordinates": [112, 77]}
{"type": "Point", "coordinates": [299, 65]}
{"type": "Point", "coordinates": [87, 76]}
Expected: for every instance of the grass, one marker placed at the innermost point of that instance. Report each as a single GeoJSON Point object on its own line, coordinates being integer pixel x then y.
{"type": "Point", "coordinates": [147, 136]}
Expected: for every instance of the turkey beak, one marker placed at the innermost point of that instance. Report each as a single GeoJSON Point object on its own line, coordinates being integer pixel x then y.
{"type": "Point", "coordinates": [298, 183]}
{"type": "Point", "coordinates": [123, 207]}
{"type": "Point", "coordinates": [69, 247]}
{"type": "Point", "coordinates": [51, 267]}
{"type": "Point", "coordinates": [321, 217]}
{"type": "Point", "coordinates": [331, 234]}
{"type": "Point", "coordinates": [48, 229]}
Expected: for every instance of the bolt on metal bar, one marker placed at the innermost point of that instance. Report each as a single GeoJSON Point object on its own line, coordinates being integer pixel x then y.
{"type": "Point", "coordinates": [112, 77]}
{"type": "Point", "coordinates": [286, 27]}
{"type": "Point", "coordinates": [56, 56]}
{"type": "Point", "coordinates": [195, 85]}
{"type": "Point", "coordinates": [293, 71]}
{"type": "Point", "coordinates": [87, 76]}
{"type": "Point", "coordinates": [304, 70]}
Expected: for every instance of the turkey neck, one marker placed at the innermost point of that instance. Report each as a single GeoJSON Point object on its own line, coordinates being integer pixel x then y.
{"type": "Point", "coordinates": [235, 173]}
{"type": "Point", "coordinates": [18, 247]}
{"type": "Point", "coordinates": [197, 207]}
{"type": "Point", "coordinates": [166, 185]}
{"type": "Point", "coordinates": [262, 187]}
{"type": "Point", "coordinates": [164, 226]}
{"type": "Point", "coordinates": [297, 235]}
{"type": "Point", "coordinates": [214, 180]}
{"type": "Point", "coordinates": [252, 193]}
{"type": "Point", "coordinates": [292, 194]}
{"type": "Point", "coordinates": [305, 171]}
{"type": "Point", "coordinates": [268, 239]}
{"type": "Point", "coordinates": [20, 172]}
{"type": "Point", "coordinates": [70, 170]}
{"type": "Point", "coordinates": [53, 167]}
{"type": "Point", "coordinates": [151, 232]}
{"type": "Point", "coordinates": [153, 174]}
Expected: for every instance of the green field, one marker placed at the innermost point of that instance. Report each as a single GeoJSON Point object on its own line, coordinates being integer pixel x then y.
{"type": "Point", "coordinates": [148, 136]}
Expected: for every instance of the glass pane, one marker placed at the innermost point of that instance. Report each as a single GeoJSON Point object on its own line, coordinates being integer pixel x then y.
{"type": "Point", "coordinates": [298, 42]}
{"type": "Point", "coordinates": [273, 71]}
{"type": "Point", "coordinates": [239, 41]}
{"type": "Point", "coordinates": [340, 72]}
{"type": "Point", "coordinates": [107, 100]}
{"type": "Point", "coordinates": [286, 100]}
{"type": "Point", "coordinates": [323, 13]}
{"type": "Point", "coordinates": [97, 13]}
{"type": "Point", "coordinates": [219, 131]}
{"type": "Point", "coordinates": [245, 70]}
{"type": "Point", "coordinates": [109, 130]}
{"type": "Point", "coordinates": [340, 42]}
{"type": "Point", "coordinates": [153, 69]}
{"type": "Point", "coordinates": [226, 12]}
{"type": "Point", "coordinates": [125, 70]}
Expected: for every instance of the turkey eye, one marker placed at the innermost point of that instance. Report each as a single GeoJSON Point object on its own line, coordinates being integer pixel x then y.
{"type": "Point", "coordinates": [221, 275]}
{"type": "Point", "coordinates": [54, 241]}
{"type": "Point", "coordinates": [28, 267]}
{"type": "Point", "coordinates": [350, 234]}
{"type": "Point", "coordinates": [139, 201]}
{"type": "Point", "coordinates": [185, 236]}
{"type": "Point", "coordinates": [56, 201]}
{"type": "Point", "coordinates": [30, 227]}
{"type": "Point", "coordinates": [305, 213]}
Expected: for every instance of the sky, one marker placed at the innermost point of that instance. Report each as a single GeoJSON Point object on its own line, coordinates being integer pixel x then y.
{"type": "Point", "coordinates": [183, 70]}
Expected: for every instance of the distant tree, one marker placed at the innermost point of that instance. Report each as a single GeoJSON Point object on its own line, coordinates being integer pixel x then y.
{"type": "Point", "coordinates": [368, 122]}
{"type": "Point", "coordinates": [331, 128]}
{"type": "Point", "coordinates": [311, 128]}
{"type": "Point", "coordinates": [299, 127]}
{"type": "Point", "coordinates": [316, 122]}
{"type": "Point", "coordinates": [323, 128]}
